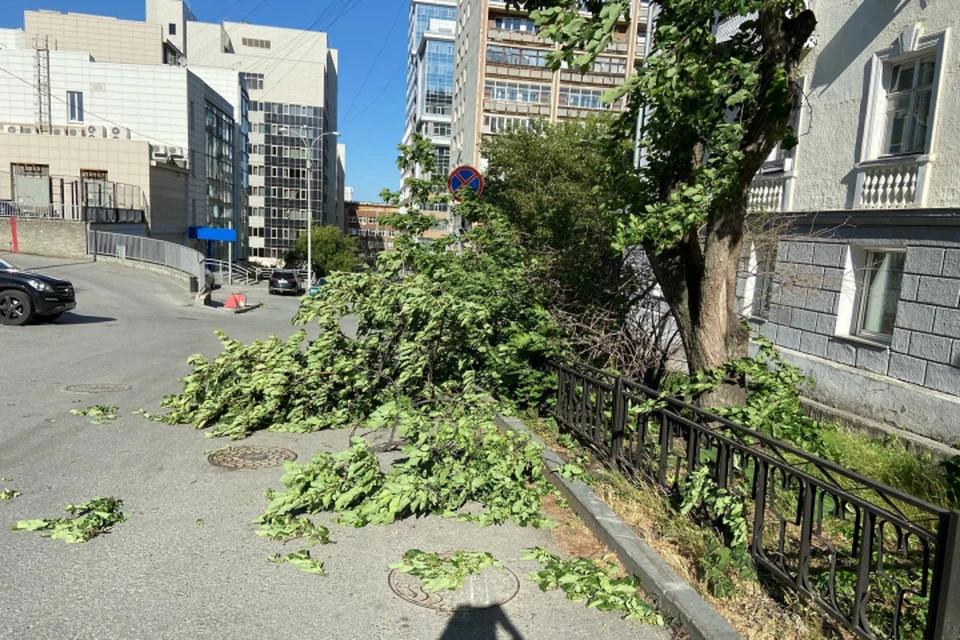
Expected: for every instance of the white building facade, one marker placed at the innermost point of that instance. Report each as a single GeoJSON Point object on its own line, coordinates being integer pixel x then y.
{"type": "Point", "coordinates": [291, 77]}
{"type": "Point", "coordinates": [864, 295]}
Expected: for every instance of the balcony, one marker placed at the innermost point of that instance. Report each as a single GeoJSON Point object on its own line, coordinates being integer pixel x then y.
{"type": "Point", "coordinates": [891, 183]}
{"type": "Point", "coordinates": [767, 194]}
{"type": "Point", "coordinates": [509, 35]}
{"type": "Point", "coordinates": [518, 72]}
{"type": "Point", "coordinates": [516, 108]}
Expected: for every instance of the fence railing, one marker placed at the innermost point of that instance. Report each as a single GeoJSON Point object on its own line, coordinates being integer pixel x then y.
{"type": "Point", "coordinates": [881, 562]}
{"type": "Point", "coordinates": [158, 252]}
{"type": "Point", "coordinates": [72, 212]}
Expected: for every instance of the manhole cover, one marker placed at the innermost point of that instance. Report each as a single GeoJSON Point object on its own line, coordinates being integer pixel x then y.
{"type": "Point", "coordinates": [247, 457]}
{"type": "Point", "coordinates": [492, 587]}
{"type": "Point", "coordinates": [98, 388]}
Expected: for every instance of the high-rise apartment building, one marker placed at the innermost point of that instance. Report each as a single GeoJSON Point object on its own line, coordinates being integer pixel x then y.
{"type": "Point", "coordinates": [432, 33]}
{"type": "Point", "coordinates": [501, 79]}
{"type": "Point", "coordinates": [291, 77]}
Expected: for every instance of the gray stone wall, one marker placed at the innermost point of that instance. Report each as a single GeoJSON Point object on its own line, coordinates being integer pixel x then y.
{"type": "Point", "coordinates": [925, 349]}
{"type": "Point", "coordinates": [60, 238]}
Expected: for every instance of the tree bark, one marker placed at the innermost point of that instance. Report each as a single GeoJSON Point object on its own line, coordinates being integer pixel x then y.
{"type": "Point", "coordinates": [698, 276]}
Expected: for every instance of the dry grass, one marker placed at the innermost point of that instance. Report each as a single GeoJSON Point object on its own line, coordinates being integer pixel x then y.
{"type": "Point", "coordinates": [753, 612]}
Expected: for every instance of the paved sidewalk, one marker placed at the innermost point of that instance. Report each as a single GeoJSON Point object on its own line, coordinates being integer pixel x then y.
{"type": "Point", "coordinates": [187, 563]}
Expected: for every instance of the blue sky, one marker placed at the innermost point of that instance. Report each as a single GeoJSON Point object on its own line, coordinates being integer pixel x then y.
{"type": "Point", "coordinates": [371, 112]}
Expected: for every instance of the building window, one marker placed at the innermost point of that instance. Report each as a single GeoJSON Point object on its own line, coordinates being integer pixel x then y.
{"type": "Point", "coordinates": [254, 80]}
{"type": "Point", "coordinates": [516, 56]}
{"type": "Point", "coordinates": [516, 92]}
{"type": "Point", "coordinates": [909, 105]}
{"type": "Point", "coordinates": [75, 106]}
{"type": "Point", "coordinates": [583, 98]}
{"type": "Point", "coordinates": [503, 124]}
{"type": "Point", "coordinates": [879, 294]}
{"type": "Point", "coordinates": [515, 24]}
{"type": "Point", "coordinates": [172, 29]}
{"type": "Point", "coordinates": [256, 44]}
{"type": "Point", "coordinates": [759, 281]}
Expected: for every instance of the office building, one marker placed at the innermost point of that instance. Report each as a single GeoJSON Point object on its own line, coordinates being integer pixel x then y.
{"type": "Point", "coordinates": [291, 77]}
{"type": "Point", "coordinates": [501, 79]}
{"type": "Point", "coordinates": [364, 224]}
{"type": "Point", "coordinates": [95, 127]}
{"type": "Point", "coordinates": [429, 109]}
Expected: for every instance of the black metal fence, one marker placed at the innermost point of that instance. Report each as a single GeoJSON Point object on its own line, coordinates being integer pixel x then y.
{"type": "Point", "coordinates": [881, 562]}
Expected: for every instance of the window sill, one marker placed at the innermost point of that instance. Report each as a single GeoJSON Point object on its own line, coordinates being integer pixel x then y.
{"type": "Point", "coordinates": [906, 158]}
{"type": "Point", "coordinates": [866, 342]}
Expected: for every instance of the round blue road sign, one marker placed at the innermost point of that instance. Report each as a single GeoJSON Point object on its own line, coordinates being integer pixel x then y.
{"type": "Point", "coordinates": [465, 176]}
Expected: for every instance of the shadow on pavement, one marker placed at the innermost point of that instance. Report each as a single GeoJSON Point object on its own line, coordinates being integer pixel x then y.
{"type": "Point", "coordinates": [479, 624]}
{"type": "Point", "coordinates": [76, 318]}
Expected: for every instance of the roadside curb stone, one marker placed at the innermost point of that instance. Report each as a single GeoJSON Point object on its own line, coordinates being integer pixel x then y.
{"type": "Point", "coordinates": [674, 595]}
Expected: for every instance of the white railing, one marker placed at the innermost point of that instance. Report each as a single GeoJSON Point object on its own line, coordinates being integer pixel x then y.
{"type": "Point", "coordinates": [766, 194]}
{"type": "Point", "coordinates": [72, 212]}
{"type": "Point", "coordinates": [167, 254]}
{"type": "Point", "coordinates": [890, 185]}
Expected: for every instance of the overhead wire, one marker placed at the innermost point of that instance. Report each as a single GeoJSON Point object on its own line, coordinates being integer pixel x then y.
{"type": "Point", "coordinates": [376, 61]}
{"type": "Point", "coordinates": [386, 86]}
{"type": "Point", "coordinates": [95, 115]}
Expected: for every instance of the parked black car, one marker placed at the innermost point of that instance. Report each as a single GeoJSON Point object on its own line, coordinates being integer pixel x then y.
{"type": "Point", "coordinates": [284, 282]}
{"type": "Point", "coordinates": [26, 296]}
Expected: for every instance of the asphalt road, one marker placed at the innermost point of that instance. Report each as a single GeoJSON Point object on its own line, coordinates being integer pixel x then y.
{"type": "Point", "coordinates": [187, 564]}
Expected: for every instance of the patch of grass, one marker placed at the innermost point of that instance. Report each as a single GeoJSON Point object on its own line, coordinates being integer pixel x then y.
{"type": "Point", "coordinates": [889, 462]}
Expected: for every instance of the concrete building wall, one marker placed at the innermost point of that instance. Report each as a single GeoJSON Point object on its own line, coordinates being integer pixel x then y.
{"type": "Point", "coordinates": [125, 161]}
{"type": "Point", "coordinates": [468, 81]}
{"type": "Point", "coordinates": [169, 204]}
{"type": "Point", "coordinates": [105, 39]}
{"type": "Point", "coordinates": [845, 80]}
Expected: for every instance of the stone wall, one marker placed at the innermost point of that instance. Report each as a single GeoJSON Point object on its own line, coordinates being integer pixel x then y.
{"type": "Point", "coordinates": [55, 238]}
{"type": "Point", "coordinates": [911, 380]}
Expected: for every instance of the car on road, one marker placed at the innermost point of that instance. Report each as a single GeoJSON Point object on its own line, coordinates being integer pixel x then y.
{"type": "Point", "coordinates": [284, 282]}
{"type": "Point", "coordinates": [26, 296]}
{"type": "Point", "coordinates": [315, 288]}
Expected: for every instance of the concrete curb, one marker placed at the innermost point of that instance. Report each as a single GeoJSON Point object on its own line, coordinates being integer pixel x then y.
{"type": "Point", "coordinates": [675, 597]}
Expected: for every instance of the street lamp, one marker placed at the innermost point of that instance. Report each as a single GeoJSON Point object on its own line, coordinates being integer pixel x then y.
{"type": "Point", "coordinates": [309, 147]}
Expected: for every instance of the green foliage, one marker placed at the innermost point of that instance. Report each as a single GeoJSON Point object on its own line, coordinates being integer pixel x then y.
{"type": "Point", "coordinates": [723, 568]}
{"type": "Point", "coordinates": [951, 469]}
{"type": "Point", "coordinates": [101, 413]}
{"type": "Point", "coordinates": [563, 187]}
{"type": "Point", "coordinates": [87, 521]}
{"type": "Point", "coordinates": [446, 572]}
{"type": "Point", "coordinates": [451, 459]}
{"type": "Point", "coordinates": [301, 560]}
{"type": "Point", "coordinates": [288, 527]}
{"type": "Point", "coordinates": [593, 581]}
{"type": "Point", "coordinates": [332, 251]}
{"type": "Point", "coordinates": [9, 494]}
{"type": "Point", "coordinates": [727, 509]}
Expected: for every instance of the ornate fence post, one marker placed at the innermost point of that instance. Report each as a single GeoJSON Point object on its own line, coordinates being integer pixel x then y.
{"type": "Point", "coordinates": [944, 620]}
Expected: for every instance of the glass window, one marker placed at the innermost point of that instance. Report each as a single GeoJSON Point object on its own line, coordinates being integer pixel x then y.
{"type": "Point", "coordinates": [75, 106]}
{"type": "Point", "coordinates": [880, 293]}
{"type": "Point", "coordinates": [172, 29]}
{"type": "Point", "coordinates": [909, 105]}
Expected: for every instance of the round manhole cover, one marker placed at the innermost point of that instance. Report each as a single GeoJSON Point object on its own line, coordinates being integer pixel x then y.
{"type": "Point", "coordinates": [98, 388]}
{"type": "Point", "coordinates": [247, 457]}
{"type": "Point", "coordinates": [492, 587]}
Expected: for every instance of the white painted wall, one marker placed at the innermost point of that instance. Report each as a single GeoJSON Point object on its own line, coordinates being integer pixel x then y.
{"type": "Point", "coordinates": [838, 76]}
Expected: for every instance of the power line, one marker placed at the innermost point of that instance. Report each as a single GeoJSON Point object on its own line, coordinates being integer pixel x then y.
{"type": "Point", "coordinates": [213, 44]}
{"type": "Point", "coordinates": [375, 60]}
{"type": "Point", "coordinates": [386, 86]}
{"type": "Point", "coordinates": [275, 83]}
{"type": "Point", "coordinates": [95, 115]}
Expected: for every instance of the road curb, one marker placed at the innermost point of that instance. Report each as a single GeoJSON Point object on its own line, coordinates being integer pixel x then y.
{"type": "Point", "coordinates": [674, 595]}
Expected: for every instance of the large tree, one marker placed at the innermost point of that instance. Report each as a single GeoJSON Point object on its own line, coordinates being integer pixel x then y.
{"type": "Point", "coordinates": [332, 251]}
{"type": "Point", "coordinates": [714, 111]}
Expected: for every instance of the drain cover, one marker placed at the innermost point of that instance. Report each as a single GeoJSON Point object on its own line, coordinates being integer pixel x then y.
{"type": "Point", "coordinates": [98, 388]}
{"type": "Point", "coordinates": [247, 457]}
{"type": "Point", "coordinates": [492, 587]}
